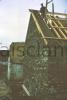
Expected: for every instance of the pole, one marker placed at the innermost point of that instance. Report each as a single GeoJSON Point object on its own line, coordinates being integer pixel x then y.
{"type": "Point", "coordinates": [53, 8]}
{"type": "Point", "coordinates": [8, 72]}
{"type": "Point", "coordinates": [47, 2]}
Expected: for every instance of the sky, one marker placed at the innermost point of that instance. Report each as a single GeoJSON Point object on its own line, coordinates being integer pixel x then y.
{"type": "Point", "coordinates": [14, 18]}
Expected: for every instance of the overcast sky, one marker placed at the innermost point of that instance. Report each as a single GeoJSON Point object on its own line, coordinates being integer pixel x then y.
{"type": "Point", "coordinates": [14, 17]}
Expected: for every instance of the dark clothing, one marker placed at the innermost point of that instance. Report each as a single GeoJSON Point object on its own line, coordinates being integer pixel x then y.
{"type": "Point", "coordinates": [43, 11]}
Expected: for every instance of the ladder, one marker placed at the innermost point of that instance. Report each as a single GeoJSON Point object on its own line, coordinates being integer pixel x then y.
{"type": "Point", "coordinates": [57, 26]}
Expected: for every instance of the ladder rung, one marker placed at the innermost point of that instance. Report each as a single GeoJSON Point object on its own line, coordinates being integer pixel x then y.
{"type": "Point", "coordinates": [56, 26]}
{"type": "Point", "coordinates": [60, 27]}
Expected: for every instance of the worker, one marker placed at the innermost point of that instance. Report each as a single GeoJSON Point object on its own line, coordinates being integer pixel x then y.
{"type": "Point", "coordinates": [42, 10]}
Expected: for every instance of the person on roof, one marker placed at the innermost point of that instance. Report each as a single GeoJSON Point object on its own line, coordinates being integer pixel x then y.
{"type": "Point", "coordinates": [42, 10]}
